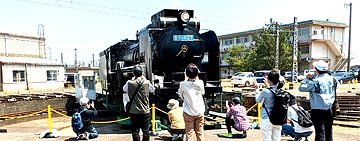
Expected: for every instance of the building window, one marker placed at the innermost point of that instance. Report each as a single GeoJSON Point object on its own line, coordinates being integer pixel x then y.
{"type": "Point", "coordinates": [224, 56]}
{"type": "Point", "coordinates": [51, 75]}
{"type": "Point", "coordinates": [304, 31]}
{"type": "Point", "coordinates": [242, 40]}
{"type": "Point", "coordinates": [304, 49]}
{"type": "Point", "coordinates": [228, 41]}
{"type": "Point", "coordinates": [332, 31]}
{"type": "Point", "coordinates": [18, 76]}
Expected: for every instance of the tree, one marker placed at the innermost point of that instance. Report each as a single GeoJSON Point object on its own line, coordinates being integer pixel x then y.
{"type": "Point", "coordinates": [261, 57]}
{"type": "Point", "coordinates": [237, 57]}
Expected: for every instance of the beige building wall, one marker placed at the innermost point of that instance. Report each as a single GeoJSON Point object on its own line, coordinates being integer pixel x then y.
{"type": "Point", "coordinates": [36, 77]}
{"type": "Point", "coordinates": [12, 45]}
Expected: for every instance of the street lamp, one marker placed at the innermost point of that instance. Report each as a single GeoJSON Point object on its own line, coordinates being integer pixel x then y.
{"type": "Point", "coordinates": [348, 67]}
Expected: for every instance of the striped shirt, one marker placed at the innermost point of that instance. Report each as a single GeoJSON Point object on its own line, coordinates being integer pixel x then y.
{"type": "Point", "coordinates": [241, 122]}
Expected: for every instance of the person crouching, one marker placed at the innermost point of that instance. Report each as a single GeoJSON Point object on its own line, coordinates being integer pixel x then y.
{"type": "Point", "coordinates": [240, 121]}
{"type": "Point", "coordinates": [87, 111]}
{"type": "Point", "coordinates": [177, 127]}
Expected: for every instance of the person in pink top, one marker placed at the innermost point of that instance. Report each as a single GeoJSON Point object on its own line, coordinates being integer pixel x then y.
{"type": "Point", "coordinates": [240, 121]}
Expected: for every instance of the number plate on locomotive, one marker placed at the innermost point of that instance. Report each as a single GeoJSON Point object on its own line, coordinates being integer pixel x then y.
{"type": "Point", "coordinates": [183, 37]}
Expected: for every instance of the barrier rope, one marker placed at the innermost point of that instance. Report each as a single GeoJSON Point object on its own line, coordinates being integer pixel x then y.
{"type": "Point", "coordinates": [60, 113]}
{"type": "Point", "coordinates": [251, 107]}
{"type": "Point", "coordinates": [161, 110]}
{"type": "Point", "coordinates": [104, 122]}
{"type": "Point", "coordinates": [25, 115]}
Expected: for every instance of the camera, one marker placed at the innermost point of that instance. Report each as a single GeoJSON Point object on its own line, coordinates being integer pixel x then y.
{"type": "Point", "coordinates": [90, 101]}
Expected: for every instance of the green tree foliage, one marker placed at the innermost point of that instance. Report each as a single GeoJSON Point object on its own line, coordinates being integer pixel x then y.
{"type": "Point", "coordinates": [237, 57]}
{"type": "Point", "coordinates": [261, 56]}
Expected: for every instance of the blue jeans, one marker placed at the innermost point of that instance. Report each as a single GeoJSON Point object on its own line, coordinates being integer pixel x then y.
{"type": "Point", "coordinates": [289, 130]}
{"type": "Point", "coordinates": [91, 131]}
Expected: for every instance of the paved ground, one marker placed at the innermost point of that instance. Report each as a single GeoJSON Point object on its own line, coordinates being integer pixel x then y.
{"type": "Point", "coordinates": [29, 131]}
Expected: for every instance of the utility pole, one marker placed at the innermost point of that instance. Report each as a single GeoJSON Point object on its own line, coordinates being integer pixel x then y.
{"type": "Point", "coordinates": [294, 74]}
{"type": "Point", "coordinates": [41, 33]}
{"type": "Point", "coordinates": [75, 63]}
{"type": "Point", "coordinates": [62, 58]}
{"type": "Point", "coordinates": [93, 62]}
{"type": "Point", "coordinates": [276, 56]}
{"type": "Point", "coordinates": [348, 67]}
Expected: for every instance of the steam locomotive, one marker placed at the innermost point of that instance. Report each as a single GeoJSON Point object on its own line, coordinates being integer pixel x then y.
{"type": "Point", "coordinates": [163, 49]}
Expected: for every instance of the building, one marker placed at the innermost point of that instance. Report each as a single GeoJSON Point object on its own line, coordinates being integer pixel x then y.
{"type": "Point", "coordinates": [23, 65]}
{"type": "Point", "coordinates": [317, 40]}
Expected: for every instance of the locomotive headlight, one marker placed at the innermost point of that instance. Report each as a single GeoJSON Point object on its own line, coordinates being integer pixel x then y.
{"type": "Point", "coordinates": [184, 16]}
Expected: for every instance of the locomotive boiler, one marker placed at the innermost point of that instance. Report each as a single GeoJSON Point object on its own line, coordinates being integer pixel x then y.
{"type": "Point", "coordinates": [163, 49]}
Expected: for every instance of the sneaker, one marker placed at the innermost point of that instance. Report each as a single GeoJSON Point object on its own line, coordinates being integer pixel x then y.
{"type": "Point", "coordinates": [244, 135]}
{"type": "Point", "coordinates": [86, 135]}
{"type": "Point", "coordinates": [79, 136]}
{"type": "Point", "coordinates": [175, 137]}
{"type": "Point", "coordinates": [228, 135]}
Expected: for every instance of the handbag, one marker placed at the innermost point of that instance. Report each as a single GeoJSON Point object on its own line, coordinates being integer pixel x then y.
{"type": "Point", "coordinates": [335, 106]}
{"type": "Point", "coordinates": [128, 105]}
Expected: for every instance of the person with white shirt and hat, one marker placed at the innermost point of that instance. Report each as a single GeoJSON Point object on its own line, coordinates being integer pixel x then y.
{"type": "Point", "coordinates": [322, 96]}
{"type": "Point", "coordinates": [176, 118]}
{"type": "Point", "coordinates": [296, 131]}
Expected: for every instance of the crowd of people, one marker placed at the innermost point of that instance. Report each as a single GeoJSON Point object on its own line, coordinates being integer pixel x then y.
{"type": "Point", "coordinates": [187, 120]}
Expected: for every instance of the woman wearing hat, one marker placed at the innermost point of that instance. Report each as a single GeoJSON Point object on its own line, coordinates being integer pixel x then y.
{"type": "Point", "coordinates": [177, 127]}
{"type": "Point", "coordinates": [240, 121]}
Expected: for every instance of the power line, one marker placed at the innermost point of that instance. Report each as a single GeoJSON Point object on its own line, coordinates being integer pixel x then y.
{"type": "Point", "coordinates": [89, 10]}
{"type": "Point", "coordinates": [121, 9]}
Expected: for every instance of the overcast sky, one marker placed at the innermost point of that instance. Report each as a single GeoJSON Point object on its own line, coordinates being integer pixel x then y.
{"type": "Point", "coordinates": [93, 25]}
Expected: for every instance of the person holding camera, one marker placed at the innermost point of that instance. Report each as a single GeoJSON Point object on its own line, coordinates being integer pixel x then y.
{"type": "Point", "coordinates": [322, 91]}
{"type": "Point", "coordinates": [87, 111]}
{"type": "Point", "coordinates": [139, 88]}
{"type": "Point", "coordinates": [240, 121]}
{"type": "Point", "coordinates": [191, 90]}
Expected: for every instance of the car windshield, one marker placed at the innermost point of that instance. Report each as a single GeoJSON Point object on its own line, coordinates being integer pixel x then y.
{"type": "Point", "coordinates": [339, 74]}
{"type": "Point", "coordinates": [240, 75]}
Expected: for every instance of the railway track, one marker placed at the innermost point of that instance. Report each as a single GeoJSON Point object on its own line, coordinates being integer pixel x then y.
{"type": "Point", "coordinates": [349, 108]}
{"type": "Point", "coordinates": [29, 97]}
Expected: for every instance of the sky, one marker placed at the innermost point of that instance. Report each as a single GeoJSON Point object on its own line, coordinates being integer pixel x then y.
{"type": "Point", "coordinates": [91, 26]}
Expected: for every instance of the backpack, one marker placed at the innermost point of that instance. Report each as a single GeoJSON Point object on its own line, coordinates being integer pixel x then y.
{"type": "Point", "coordinates": [278, 115]}
{"type": "Point", "coordinates": [304, 118]}
{"type": "Point", "coordinates": [76, 120]}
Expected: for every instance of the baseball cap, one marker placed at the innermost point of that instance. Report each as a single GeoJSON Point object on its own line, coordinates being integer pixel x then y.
{"type": "Point", "coordinates": [321, 65]}
{"type": "Point", "coordinates": [83, 101]}
{"type": "Point", "coordinates": [172, 104]}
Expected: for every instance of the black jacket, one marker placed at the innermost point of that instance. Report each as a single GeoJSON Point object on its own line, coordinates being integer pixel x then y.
{"type": "Point", "coordinates": [86, 116]}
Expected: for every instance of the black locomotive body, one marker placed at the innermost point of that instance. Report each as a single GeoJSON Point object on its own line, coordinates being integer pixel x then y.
{"type": "Point", "coordinates": [163, 49]}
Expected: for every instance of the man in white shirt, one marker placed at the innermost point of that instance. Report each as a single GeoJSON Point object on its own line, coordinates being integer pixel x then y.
{"type": "Point", "coordinates": [295, 131]}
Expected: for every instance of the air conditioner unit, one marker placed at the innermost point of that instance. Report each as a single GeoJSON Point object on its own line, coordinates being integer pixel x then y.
{"type": "Point", "coordinates": [314, 32]}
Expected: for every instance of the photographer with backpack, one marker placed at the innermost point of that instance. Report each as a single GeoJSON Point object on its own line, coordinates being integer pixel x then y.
{"type": "Point", "coordinates": [81, 120]}
{"type": "Point", "coordinates": [322, 96]}
{"type": "Point", "coordinates": [300, 119]}
{"type": "Point", "coordinates": [269, 130]}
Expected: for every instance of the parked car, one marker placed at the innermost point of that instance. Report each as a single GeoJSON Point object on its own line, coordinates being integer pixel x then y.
{"type": "Point", "coordinates": [288, 76]}
{"type": "Point", "coordinates": [260, 75]}
{"type": "Point", "coordinates": [243, 78]}
{"type": "Point", "coordinates": [344, 77]}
